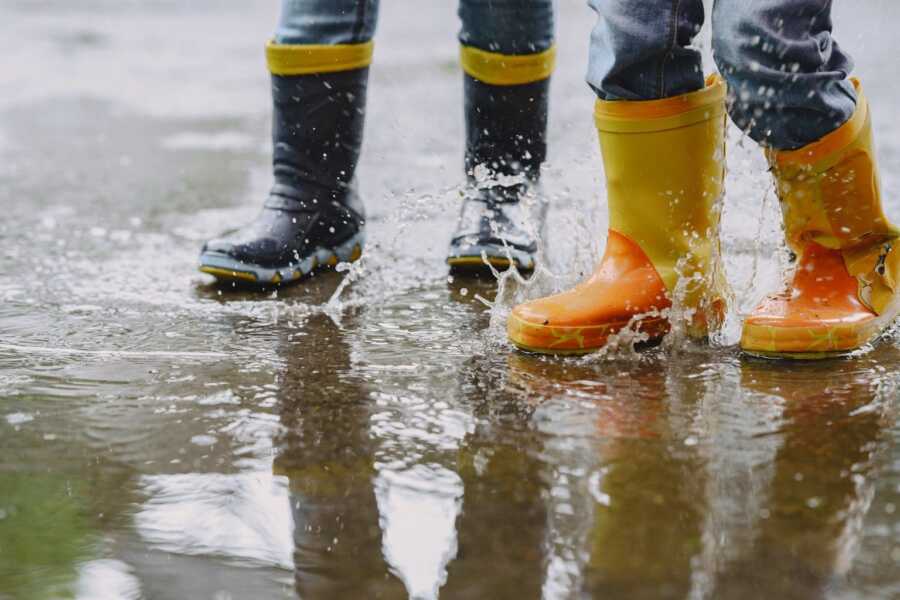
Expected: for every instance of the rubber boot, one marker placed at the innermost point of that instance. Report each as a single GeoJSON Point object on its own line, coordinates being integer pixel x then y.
{"type": "Point", "coordinates": [844, 289]}
{"type": "Point", "coordinates": [664, 167]}
{"type": "Point", "coordinates": [506, 103]}
{"type": "Point", "coordinates": [312, 217]}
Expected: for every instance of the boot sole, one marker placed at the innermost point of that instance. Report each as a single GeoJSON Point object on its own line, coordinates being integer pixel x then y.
{"type": "Point", "coordinates": [804, 343]}
{"type": "Point", "coordinates": [227, 269]}
{"type": "Point", "coordinates": [813, 343]}
{"type": "Point", "coordinates": [471, 260]}
{"type": "Point", "coordinates": [547, 339]}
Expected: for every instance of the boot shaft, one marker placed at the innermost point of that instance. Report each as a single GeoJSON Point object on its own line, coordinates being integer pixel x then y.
{"type": "Point", "coordinates": [317, 127]}
{"type": "Point", "coordinates": [506, 106]}
{"type": "Point", "coordinates": [664, 163]}
{"type": "Point", "coordinates": [319, 101]}
{"type": "Point", "coordinates": [830, 190]}
{"type": "Point", "coordinates": [506, 127]}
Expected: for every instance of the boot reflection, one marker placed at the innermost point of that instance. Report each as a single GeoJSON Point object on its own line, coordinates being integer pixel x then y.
{"type": "Point", "coordinates": [501, 526]}
{"type": "Point", "coordinates": [822, 486]}
{"type": "Point", "coordinates": [608, 388]}
{"type": "Point", "coordinates": [645, 528]}
{"type": "Point", "coordinates": [326, 453]}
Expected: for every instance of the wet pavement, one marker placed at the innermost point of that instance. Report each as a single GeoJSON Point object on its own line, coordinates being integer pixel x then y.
{"type": "Point", "coordinates": [375, 437]}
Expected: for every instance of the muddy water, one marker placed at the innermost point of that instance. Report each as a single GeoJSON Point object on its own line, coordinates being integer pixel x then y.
{"type": "Point", "coordinates": [163, 438]}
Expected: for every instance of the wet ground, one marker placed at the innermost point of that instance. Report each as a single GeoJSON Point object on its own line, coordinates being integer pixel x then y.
{"type": "Point", "coordinates": [163, 438]}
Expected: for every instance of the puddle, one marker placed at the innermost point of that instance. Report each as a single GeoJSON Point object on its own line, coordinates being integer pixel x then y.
{"type": "Point", "coordinates": [375, 436]}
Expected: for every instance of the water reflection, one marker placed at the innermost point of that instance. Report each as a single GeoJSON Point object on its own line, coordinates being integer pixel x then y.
{"type": "Point", "coordinates": [461, 470]}
{"type": "Point", "coordinates": [328, 456]}
{"type": "Point", "coordinates": [242, 516]}
{"type": "Point", "coordinates": [733, 479]}
{"type": "Point", "coordinates": [822, 480]}
{"type": "Point", "coordinates": [502, 524]}
{"type": "Point", "coordinates": [625, 439]}
{"type": "Point", "coordinates": [46, 532]}
{"type": "Point", "coordinates": [107, 579]}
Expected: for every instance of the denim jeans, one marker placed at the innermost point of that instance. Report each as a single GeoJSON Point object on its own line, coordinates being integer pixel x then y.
{"type": "Point", "coordinates": [502, 26]}
{"type": "Point", "coordinates": [787, 76]}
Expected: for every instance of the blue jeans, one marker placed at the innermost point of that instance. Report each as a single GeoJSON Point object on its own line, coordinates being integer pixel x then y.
{"type": "Point", "coordinates": [502, 26]}
{"type": "Point", "coordinates": [787, 77]}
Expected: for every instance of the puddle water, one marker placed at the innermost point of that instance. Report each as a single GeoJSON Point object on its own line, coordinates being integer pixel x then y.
{"type": "Point", "coordinates": [375, 436]}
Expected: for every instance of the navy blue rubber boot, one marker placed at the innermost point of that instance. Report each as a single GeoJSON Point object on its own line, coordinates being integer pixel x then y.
{"type": "Point", "coordinates": [312, 218]}
{"type": "Point", "coordinates": [503, 211]}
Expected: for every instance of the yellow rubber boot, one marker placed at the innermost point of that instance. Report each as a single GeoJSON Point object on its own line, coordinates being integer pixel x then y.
{"type": "Point", "coordinates": [664, 167]}
{"type": "Point", "coordinates": [844, 289]}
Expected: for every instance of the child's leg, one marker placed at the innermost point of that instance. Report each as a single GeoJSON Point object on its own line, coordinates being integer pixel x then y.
{"type": "Point", "coordinates": [507, 27]}
{"type": "Point", "coordinates": [507, 57]}
{"type": "Point", "coordinates": [326, 21]}
{"type": "Point", "coordinates": [787, 76]}
{"type": "Point", "coordinates": [790, 92]}
{"type": "Point", "coordinates": [662, 139]}
{"type": "Point", "coordinates": [319, 62]}
{"type": "Point", "coordinates": [640, 49]}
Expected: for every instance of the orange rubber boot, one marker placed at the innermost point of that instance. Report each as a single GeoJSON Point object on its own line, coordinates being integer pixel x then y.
{"type": "Point", "coordinates": [624, 285]}
{"type": "Point", "coordinates": [843, 293]}
{"type": "Point", "coordinates": [664, 167]}
{"type": "Point", "coordinates": [820, 312]}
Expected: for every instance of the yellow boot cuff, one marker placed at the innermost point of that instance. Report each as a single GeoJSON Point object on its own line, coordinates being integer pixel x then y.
{"type": "Point", "coordinates": [644, 116]}
{"type": "Point", "coordinates": [507, 69]}
{"type": "Point", "coordinates": [308, 59]}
